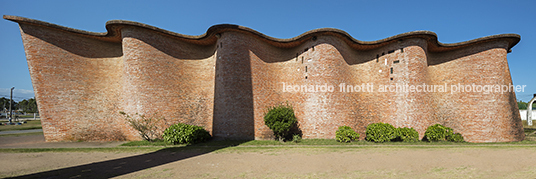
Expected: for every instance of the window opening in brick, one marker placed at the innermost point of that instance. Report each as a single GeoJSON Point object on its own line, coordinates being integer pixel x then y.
{"type": "Point", "coordinates": [302, 60]}
{"type": "Point", "coordinates": [390, 51]}
{"type": "Point", "coordinates": [396, 61]}
{"type": "Point", "coordinates": [391, 79]}
{"type": "Point", "coordinates": [383, 53]}
{"type": "Point", "coordinates": [377, 58]}
{"type": "Point", "coordinates": [305, 68]}
{"type": "Point", "coordinates": [221, 45]}
{"type": "Point", "coordinates": [391, 70]}
{"type": "Point", "coordinates": [305, 77]}
{"type": "Point", "coordinates": [401, 50]}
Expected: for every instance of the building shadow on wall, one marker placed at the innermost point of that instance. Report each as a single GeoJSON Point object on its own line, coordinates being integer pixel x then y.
{"type": "Point", "coordinates": [516, 128]}
{"type": "Point", "coordinates": [127, 165]}
{"type": "Point", "coordinates": [437, 58]}
{"type": "Point", "coordinates": [74, 43]}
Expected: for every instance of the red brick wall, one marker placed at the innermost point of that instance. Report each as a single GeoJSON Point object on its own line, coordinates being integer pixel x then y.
{"type": "Point", "coordinates": [167, 76]}
{"type": "Point", "coordinates": [227, 79]}
{"type": "Point", "coordinates": [478, 116]}
{"type": "Point", "coordinates": [77, 83]}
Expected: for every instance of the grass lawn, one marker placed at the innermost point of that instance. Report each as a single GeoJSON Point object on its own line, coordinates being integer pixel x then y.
{"type": "Point", "coordinates": [256, 145]}
{"type": "Point", "coordinates": [325, 143]}
{"type": "Point", "coordinates": [530, 131]}
{"type": "Point", "coordinates": [30, 125]}
{"type": "Point", "coordinates": [27, 116]}
{"type": "Point", "coordinates": [530, 139]}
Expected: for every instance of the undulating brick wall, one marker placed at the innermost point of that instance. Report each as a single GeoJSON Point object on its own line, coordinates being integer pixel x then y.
{"type": "Point", "coordinates": [225, 80]}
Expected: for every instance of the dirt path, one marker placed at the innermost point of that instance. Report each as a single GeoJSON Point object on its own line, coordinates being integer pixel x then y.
{"type": "Point", "coordinates": [488, 162]}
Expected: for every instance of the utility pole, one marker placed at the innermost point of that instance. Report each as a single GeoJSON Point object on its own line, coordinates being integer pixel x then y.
{"type": "Point", "coordinates": [11, 104]}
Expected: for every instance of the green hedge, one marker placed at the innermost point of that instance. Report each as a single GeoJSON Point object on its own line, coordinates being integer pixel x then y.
{"type": "Point", "coordinates": [457, 137]}
{"type": "Point", "coordinates": [380, 132]}
{"type": "Point", "coordinates": [280, 119]}
{"type": "Point", "coordinates": [346, 134]}
{"type": "Point", "coordinates": [185, 134]}
{"type": "Point", "coordinates": [407, 134]}
{"type": "Point", "coordinates": [439, 132]}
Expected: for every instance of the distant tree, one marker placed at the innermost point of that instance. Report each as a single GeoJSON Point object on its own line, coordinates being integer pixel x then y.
{"type": "Point", "coordinates": [28, 106]}
{"type": "Point", "coordinates": [523, 105]}
{"type": "Point", "coordinates": [23, 104]}
{"type": "Point", "coordinates": [32, 105]}
{"type": "Point", "coordinates": [4, 104]}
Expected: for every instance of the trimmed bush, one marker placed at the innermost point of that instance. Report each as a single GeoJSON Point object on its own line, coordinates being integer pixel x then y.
{"type": "Point", "coordinates": [280, 119]}
{"type": "Point", "coordinates": [380, 132]}
{"type": "Point", "coordinates": [346, 134]}
{"type": "Point", "coordinates": [456, 137]}
{"type": "Point", "coordinates": [407, 134]}
{"type": "Point", "coordinates": [438, 132]}
{"type": "Point", "coordinates": [185, 134]}
{"type": "Point", "coordinates": [296, 138]}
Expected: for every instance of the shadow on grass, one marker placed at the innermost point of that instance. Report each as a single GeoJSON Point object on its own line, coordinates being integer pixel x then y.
{"type": "Point", "coordinates": [122, 166]}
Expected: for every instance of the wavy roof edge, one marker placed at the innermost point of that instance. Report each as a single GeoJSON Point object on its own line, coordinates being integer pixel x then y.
{"type": "Point", "coordinates": [113, 34]}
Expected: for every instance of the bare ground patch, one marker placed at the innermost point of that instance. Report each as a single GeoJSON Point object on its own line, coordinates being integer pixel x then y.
{"type": "Point", "coordinates": [479, 162]}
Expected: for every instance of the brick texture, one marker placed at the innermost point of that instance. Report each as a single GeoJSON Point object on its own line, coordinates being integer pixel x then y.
{"type": "Point", "coordinates": [225, 80]}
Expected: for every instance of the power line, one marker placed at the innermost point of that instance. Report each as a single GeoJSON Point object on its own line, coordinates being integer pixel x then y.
{"type": "Point", "coordinates": [16, 97]}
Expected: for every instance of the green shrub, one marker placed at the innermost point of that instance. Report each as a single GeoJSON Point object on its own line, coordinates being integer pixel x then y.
{"type": "Point", "coordinates": [456, 137]}
{"type": "Point", "coordinates": [280, 119]}
{"type": "Point", "coordinates": [346, 134]}
{"type": "Point", "coordinates": [380, 132]}
{"type": "Point", "coordinates": [407, 134]}
{"type": "Point", "coordinates": [185, 134]}
{"type": "Point", "coordinates": [438, 132]}
{"type": "Point", "coordinates": [296, 138]}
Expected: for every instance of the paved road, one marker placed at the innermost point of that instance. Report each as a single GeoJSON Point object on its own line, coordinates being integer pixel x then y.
{"type": "Point", "coordinates": [21, 131]}
{"type": "Point", "coordinates": [38, 141]}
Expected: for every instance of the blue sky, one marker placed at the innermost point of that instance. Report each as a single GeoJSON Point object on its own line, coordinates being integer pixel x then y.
{"type": "Point", "coordinates": [453, 21]}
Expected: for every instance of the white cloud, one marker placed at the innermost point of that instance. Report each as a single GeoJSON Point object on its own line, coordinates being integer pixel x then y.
{"type": "Point", "coordinates": [23, 91]}
{"type": "Point", "coordinates": [18, 94]}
